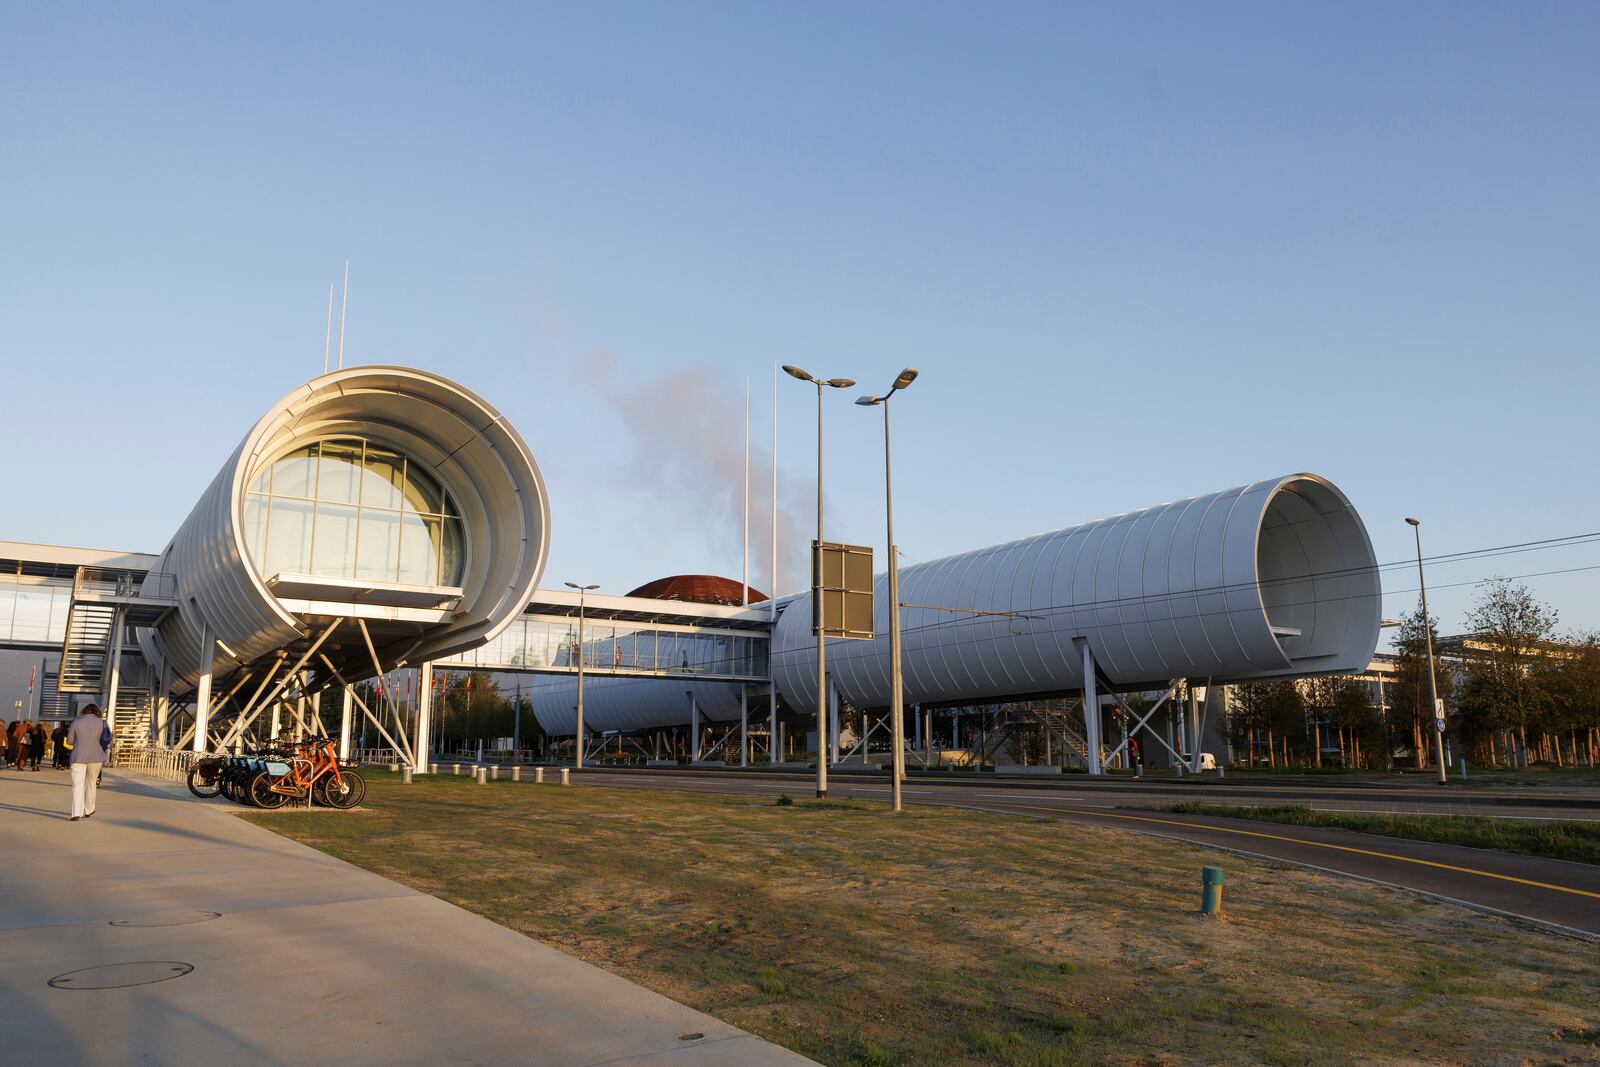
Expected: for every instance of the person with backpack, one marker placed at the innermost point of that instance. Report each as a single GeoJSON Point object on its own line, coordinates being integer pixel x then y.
{"type": "Point", "coordinates": [85, 739]}
{"type": "Point", "coordinates": [58, 749]}
{"type": "Point", "coordinates": [37, 739]}
{"type": "Point", "coordinates": [1136, 757]}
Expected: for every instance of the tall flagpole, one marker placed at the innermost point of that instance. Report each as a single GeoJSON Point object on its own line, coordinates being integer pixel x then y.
{"type": "Point", "coordinates": [746, 542]}
{"type": "Point", "coordinates": [772, 590]}
{"type": "Point", "coordinates": [344, 305]}
{"type": "Point", "coordinates": [327, 335]}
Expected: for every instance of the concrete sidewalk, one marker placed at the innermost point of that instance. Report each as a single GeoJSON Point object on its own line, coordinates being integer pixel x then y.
{"type": "Point", "coordinates": [297, 958]}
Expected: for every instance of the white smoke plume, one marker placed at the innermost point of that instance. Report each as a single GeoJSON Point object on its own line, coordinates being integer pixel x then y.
{"type": "Point", "coordinates": [685, 434]}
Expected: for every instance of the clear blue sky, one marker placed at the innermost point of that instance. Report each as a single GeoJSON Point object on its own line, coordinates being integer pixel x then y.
{"type": "Point", "coordinates": [1139, 252]}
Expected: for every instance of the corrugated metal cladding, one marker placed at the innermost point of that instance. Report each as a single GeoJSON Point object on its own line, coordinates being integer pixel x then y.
{"type": "Point", "coordinates": [466, 444]}
{"type": "Point", "coordinates": [1267, 580]}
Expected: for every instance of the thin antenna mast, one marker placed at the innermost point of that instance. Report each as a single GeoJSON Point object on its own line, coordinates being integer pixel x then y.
{"type": "Point", "coordinates": [746, 543]}
{"type": "Point", "coordinates": [327, 336]}
{"type": "Point", "coordinates": [772, 593]}
{"type": "Point", "coordinates": [344, 304]}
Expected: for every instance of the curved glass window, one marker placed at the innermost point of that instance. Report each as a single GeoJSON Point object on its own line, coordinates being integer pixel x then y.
{"type": "Point", "coordinates": [349, 508]}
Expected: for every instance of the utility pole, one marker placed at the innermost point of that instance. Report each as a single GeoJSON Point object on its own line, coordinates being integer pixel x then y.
{"type": "Point", "coordinates": [1433, 685]}
{"type": "Point", "coordinates": [816, 584]}
{"type": "Point", "coordinates": [582, 589]}
{"type": "Point", "coordinates": [896, 689]}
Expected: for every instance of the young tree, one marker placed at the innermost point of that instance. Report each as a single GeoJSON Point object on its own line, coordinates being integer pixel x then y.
{"type": "Point", "coordinates": [1575, 690]}
{"type": "Point", "coordinates": [1410, 713]}
{"type": "Point", "coordinates": [1504, 678]}
{"type": "Point", "coordinates": [1355, 718]}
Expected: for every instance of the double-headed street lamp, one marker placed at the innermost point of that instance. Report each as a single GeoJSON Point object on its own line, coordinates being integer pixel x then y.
{"type": "Point", "coordinates": [896, 701]}
{"type": "Point", "coordinates": [1427, 628]}
{"type": "Point", "coordinates": [816, 581]}
{"type": "Point", "coordinates": [582, 589]}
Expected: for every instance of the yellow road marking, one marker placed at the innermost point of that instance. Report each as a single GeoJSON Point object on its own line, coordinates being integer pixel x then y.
{"type": "Point", "coordinates": [1322, 844]}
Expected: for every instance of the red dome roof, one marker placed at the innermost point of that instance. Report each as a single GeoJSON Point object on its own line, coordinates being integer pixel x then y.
{"type": "Point", "coordinates": [698, 589]}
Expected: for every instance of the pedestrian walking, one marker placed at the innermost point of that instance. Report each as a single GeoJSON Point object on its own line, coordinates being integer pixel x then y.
{"type": "Point", "coordinates": [37, 739]}
{"type": "Point", "coordinates": [83, 738]}
{"type": "Point", "coordinates": [1136, 757]}
{"type": "Point", "coordinates": [14, 731]}
{"type": "Point", "coordinates": [58, 746]}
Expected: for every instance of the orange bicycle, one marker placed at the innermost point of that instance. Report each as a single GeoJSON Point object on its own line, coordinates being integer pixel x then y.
{"type": "Point", "coordinates": [314, 771]}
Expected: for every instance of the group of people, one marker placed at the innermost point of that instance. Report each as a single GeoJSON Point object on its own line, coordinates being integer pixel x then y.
{"type": "Point", "coordinates": [28, 743]}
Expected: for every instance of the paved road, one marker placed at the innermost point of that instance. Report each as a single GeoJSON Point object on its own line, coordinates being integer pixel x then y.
{"type": "Point", "coordinates": [242, 947]}
{"type": "Point", "coordinates": [1549, 891]}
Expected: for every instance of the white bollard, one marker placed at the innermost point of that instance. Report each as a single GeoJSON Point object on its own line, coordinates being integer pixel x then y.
{"type": "Point", "coordinates": [482, 776]}
{"type": "Point", "coordinates": [564, 779]}
{"type": "Point", "coordinates": [405, 775]}
{"type": "Point", "coordinates": [516, 774]}
{"type": "Point", "coordinates": [455, 768]}
{"type": "Point", "coordinates": [538, 775]}
{"type": "Point", "coordinates": [494, 773]}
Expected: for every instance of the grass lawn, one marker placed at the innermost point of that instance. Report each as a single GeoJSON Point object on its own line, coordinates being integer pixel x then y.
{"type": "Point", "coordinates": [1484, 777]}
{"type": "Point", "coordinates": [1578, 841]}
{"type": "Point", "coordinates": [951, 937]}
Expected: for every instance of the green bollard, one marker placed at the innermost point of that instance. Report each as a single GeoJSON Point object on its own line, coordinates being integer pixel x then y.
{"type": "Point", "coordinates": [1211, 880]}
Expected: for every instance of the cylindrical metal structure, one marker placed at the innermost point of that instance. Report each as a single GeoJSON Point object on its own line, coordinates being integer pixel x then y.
{"type": "Point", "coordinates": [628, 705]}
{"type": "Point", "coordinates": [1271, 580]}
{"type": "Point", "coordinates": [1274, 579]}
{"type": "Point", "coordinates": [449, 440]}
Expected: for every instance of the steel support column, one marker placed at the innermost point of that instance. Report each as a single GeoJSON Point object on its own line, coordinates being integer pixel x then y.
{"type": "Point", "coordinates": [694, 729]}
{"type": "Point", "coordinates": [114, 670]}
{"type": "Point", "coordinates": [163, 708]}
{"type": "Point", "coordinates": [1091, 710]}
{"type": "Point", "coordinates": [833, 721]}
{"type": "Point", "coordinates": [424, 719]}
{"type": "Point", "coordinates": [344, 721]}
{"type": "Point", "coordinates": [1194, 730]}
{"type": "Point", "coordinates": [202, 689]}
{"type": "Point", "coordinates": [744, 726]}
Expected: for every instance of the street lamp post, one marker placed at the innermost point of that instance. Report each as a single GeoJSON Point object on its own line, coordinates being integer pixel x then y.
{"type": "Point", "coordinates": [896, 694]}
{"type": "Point", "coordinates": [1427, 629]}
{"type": "Point", "coordinates": [816, 582]}
{"type": "Point", "coordinates": [582, 589]}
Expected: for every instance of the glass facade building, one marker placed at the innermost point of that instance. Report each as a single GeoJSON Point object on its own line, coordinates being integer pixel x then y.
{"type": "Point", "coordinates": [348, 508]}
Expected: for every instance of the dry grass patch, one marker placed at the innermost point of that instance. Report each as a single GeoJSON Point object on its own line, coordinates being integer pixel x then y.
{"type": "Point", "coordinates": [951, 937]}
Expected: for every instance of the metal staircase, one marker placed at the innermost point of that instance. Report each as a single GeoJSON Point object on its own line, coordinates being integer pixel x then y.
{"type": "Point", "coordinates": [91, 616]}
{"type": "Point", "coordinates": [131, 726]}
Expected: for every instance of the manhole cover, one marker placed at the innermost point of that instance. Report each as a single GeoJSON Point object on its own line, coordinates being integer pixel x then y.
{"type": "Point", "coordinates": [120, 975]}
{"type": "Point", "coordinates": [168, 918]}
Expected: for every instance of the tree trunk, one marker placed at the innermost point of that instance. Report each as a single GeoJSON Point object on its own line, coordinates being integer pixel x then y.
{"type": "Point", "coordinates": [1416, 744]}
{"type": "Point", "coordinates": [1316, 743]}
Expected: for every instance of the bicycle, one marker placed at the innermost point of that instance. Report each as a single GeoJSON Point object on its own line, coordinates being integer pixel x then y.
{"type": "Point", "coordinates": [313, 771]}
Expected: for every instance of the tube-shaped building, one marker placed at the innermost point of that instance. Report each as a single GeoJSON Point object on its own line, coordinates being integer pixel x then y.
{"type": "Point", "coordinates": [1271, 580]}
{"type": "Point", "coordinates": [384, 494]}
{"type": "Point", "coordinates": [1275, 579]}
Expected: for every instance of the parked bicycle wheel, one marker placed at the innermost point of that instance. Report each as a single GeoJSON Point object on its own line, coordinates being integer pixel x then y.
{"type": "Point", "coordinates": [262, 795]}
{"type": "Point", "coordinates": [350, 790]}
{"type": "Point", "coordinates": [205, 781]}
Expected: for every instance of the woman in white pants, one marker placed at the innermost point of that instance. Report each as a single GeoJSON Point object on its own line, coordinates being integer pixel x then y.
{"type": "Point", "coordinates": [83, 737]}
